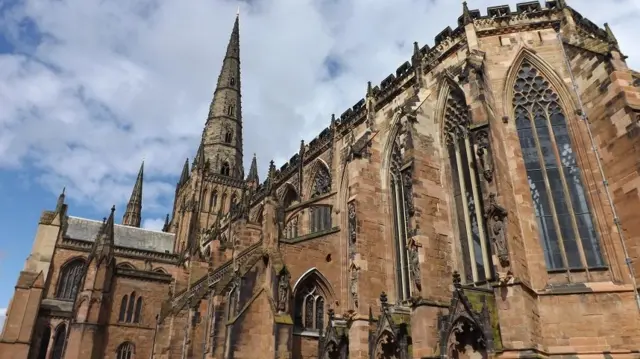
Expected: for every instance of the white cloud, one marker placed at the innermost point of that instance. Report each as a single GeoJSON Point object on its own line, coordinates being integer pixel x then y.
{"type": "Point", "coordinates": [155, 224]}
{"type": "Point", "coordinates": [3, 317]}
{"type": "Point", "coordinates": [112, 82]}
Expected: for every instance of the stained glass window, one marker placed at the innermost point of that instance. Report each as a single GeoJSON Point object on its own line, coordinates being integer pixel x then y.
{"type": "Point", "coordinates": [70, 278]}
{"type": "Point", "coordinates": [560, 204]}
{"type": "Point", "coordinates": [309, 307]}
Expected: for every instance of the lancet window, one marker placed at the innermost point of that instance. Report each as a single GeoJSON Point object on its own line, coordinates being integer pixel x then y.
{"type": "Point", "coordinates": [472, 228]}
{"type": "Point", "coordinates": [44, 342]}
{"type": "Point", "coordinates": [567, 232]}
{"type": "Point", "coordinates": [125, 351]}
{"type": "Point", "coordinates": [130, 308]}
{"type": "Point", "coordinates": [291, 229]}
{"type": "Point", "coordinates": [70, 278]}
{"type": "Point", "coordinates": [309, 307]}
{"type": "Point", "coordinates": [319, 218]}
{"type": "Point", "coordinates": [400, 197]}
{"type": "Point", "coordinates": [213, 201]}
{"type": "Point", "coordinates": [225, 169]}
{"type": "Point", "coordinates": [59, 341]}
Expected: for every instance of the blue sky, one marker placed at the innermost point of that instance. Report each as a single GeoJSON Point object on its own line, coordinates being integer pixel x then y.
{"type": "Point", "coordinates": [89, 88]}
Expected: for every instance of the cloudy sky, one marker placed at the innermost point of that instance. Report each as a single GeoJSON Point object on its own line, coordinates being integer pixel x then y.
{"type": "Point", "coordinates": [90, 88]}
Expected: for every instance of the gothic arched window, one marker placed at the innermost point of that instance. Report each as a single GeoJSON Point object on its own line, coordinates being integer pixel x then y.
{"type": "Point", "coordinates": [321, 181]}
{"type": "Point", "coordinates": [467, 193]}
{"type": "Point", "coordinates": [232, 81]}
{"type": "Point", "coordinates": [309, 306]}
{"type": "Point", "coordinates": [213, 201]}
{"type": "Point", "coordinates": [58, 342]}
{"type": "Point", "coordinates": [567, 232]}
{"type": "Point", "coordinates": [225, 169]}
{"type": "Point", "coordinates": [125, 351]}
{"type": "Point", "coordinates": [228, 137]}
{"type": "Point", "coordinates": [70, 278]}
{"type": "Point", "coordinates": [130, 308]}
{"type": "Point", "coordinates": [319, 218]}
{"type": "Point", "coordinates": [400, 222]}
{"type": "Point", "coordinates": [44, 342]}
{"type": "Point", "coordinates": [230, 110]}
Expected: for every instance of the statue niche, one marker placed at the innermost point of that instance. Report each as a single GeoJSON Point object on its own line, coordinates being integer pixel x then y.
{"type": "Point", "coordinates": [466, 341]}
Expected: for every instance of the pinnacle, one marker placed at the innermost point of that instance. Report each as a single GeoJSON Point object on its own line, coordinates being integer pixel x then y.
{"type": "Point", "coordinates": [132, 215]}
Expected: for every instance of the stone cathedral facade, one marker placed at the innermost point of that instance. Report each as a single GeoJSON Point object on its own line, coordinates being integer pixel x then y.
{"type": "Point", "coordinates": [481, 201]}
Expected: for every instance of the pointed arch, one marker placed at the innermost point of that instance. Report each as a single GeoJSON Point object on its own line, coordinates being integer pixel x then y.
{"type": "Point", "coordinates": [288, 195]}
{"type": "Point", "coordinates": [126, 350]}
{"type": "Point", "coordinates": [446, 87]}
{"type": "Point", "coordinates": [566, 98]}
{"type": "Point", "coordinates": [223, 202]}
{"type": "Point", "coordinates": [256, 216]}
{"type": "Point", "coordinates": [213, 201]}
{"type": "Point", "coordinates": [320, 179]}
{"type": "Point", "coordinates": [160, 270]}
{"type": "Point", "coordinates": [59, 341]}
{"type": "Point", "coordinates": [70, 278]}
{"type": "Point", "coordinates": [312, 293]}
{"type": "Point", "coordinates": [125, 265]}
{"type": "Point", "coordinates": [566, 228]}
{"type": "Point", "coordinates": [225, 168]}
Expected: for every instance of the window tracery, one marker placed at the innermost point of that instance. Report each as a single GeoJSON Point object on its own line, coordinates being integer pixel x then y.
{"type": "Point", "coordinates": [319, 218]}
{"type": "Point", "coordinates": [321, 182]}
{"type": "Point", "coordinates": [70, 278]}
{"type": "Point", "coordinates": [225, 169]}
{"type": "Point", "coordinates": [309, 307]}
{"type": "Point", "coordinates": [467, 191]}
{"type": "Point", "coordinates": [567, 232]}
{"type": "Point", "coordinates": [130, 308]}
{"type": "Point", "coordinates": [125, 351]}
{"type": "Point", "coordinates": [58, 342]}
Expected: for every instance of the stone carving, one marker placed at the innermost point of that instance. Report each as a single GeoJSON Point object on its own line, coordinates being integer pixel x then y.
{"type": "Point", "coordinates": [496, 215]}
{"type": "Point", "coordinates": [283, 290]}
{"type": "Point", "coordinates": [353, 285]}
{"type": "Point", "coordinates": [352, 219]}
{"type": "Point", "coordinates": [321, 182]}
{"type": "Point", "coordinates": [414, 267]}
{"type": "Point", "coordinates": [484, 154]}
{"type": "Point", "coordinates": [407, 182]}
{"type": "Point", "coordinates": [370, 106]}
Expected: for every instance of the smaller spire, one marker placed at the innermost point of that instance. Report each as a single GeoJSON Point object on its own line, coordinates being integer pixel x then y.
{"type": "Point", "coordinates": [199, 160]}
{"type": "Point", "coordinates": [562, 4]}
{"type": "Point", "coordinates": [466, 14]}
{"type": "Point", "coordinates": [133, 214]}
{"type": "Point", "coordinates": [369, 89]}
{"type": "Point", "coordinates": [416, 49]}
{"type": "Point", "coordinates": [610, 36]}
{"type": "Point", "coordinates": [253, 171]}
{"type": "Point", "coordinates": [104, 243]}
{"type": "Point", "coordinates": [184, 177]}
{"type": "Point", "coordinates": [165, 228]}
{"type": "Point", "coordinates": [60, 204]}
{"type": "Point", "coordinates": [333, 120]}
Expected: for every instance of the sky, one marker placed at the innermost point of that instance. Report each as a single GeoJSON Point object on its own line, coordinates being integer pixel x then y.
{"type": "Point", "coordinates": [90, 88]}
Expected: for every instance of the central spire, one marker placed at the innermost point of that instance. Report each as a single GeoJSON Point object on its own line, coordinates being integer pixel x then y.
{"type": "Point", "coordinates": [222, 136]}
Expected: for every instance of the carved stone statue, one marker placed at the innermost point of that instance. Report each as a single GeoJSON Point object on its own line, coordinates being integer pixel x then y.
{"type": "Point", "coordinates": [497, 230]}
{"type": "Point", "coordinates": [353, 285]}
{"type": "Point", "coordinates": [283, 291]}
{"type": "Point", "coordinates": [414, 267]}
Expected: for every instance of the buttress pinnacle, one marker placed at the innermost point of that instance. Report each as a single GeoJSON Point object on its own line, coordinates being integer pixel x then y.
{"type": "Point", "coordinates": [133, 215]}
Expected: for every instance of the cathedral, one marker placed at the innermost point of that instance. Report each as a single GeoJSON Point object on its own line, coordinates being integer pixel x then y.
{"type": "Point", "coordinates": [480, 202]}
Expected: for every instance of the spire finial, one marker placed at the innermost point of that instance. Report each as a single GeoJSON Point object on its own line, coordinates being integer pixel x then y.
{"type": "Point", "coordinates": [60, 202]}
{"type": "Point", "coordinates": [466, 14]}
{"type": "Point", "coordinates": [238, 11]}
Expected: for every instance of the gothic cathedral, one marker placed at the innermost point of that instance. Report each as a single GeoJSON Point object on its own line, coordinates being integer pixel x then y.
{"type": "Point", "coordinates": [480, 202]}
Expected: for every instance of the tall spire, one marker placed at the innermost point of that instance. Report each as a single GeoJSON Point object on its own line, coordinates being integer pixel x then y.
{"type": "Point", "coordinates": [133, 214]}
{"type": "Point", "coordinates": [222, 136]}
{"type": "Point", "coordinates": [253, 171]}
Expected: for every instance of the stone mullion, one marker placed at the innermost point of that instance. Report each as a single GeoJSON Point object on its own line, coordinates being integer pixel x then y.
{"type": "Point", "coordinates": [402, 234]}
{"type": "Point", "coordinates": [478, 210]}
{"type": "Point", "coordinates": [565, 190]}
{"type": "Point", "coordinates": [465, 208]}
{"type": "Point", "coordinates": [552, 205]}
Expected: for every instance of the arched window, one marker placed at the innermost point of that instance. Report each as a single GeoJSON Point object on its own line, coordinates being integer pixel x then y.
{"type": "Point", "coordinates": [319, 218]}
{"type": "Point", "coordinates": [291, 229]}
{"type": "Point", "coordinates": [321, 181]}
{"type": "Point", "coordinates": [44, 342]}
{"type": "Point", "coordinates": [467, 192]}
{"type": "Point", "coordinates": [58, 342]}
{"type": "Point", "coordinates": [228, 137]}
{"type": "Point", "coordinates": [125, 351]}
{"type": "Point", "coordinates": [309, 305]}
{"type": "Point", "coordinates": [130, 308]}
{"type": "Point", "coordinates": [289, 197]}
{"type": "Point", "coordinates": [567, 231]}
{"type": "Point", "coordinates": [230, 110]}
{"type": "Point", "coordinates": [225, 169]}
{"type": "Point", "coordinates": [213, 201]}
{"type": "Point", "coordinates": [232, 81]}
{"type": "Point", "coordinates": [70, 278]}
{"type": "Point", "coordinates": [400, 212]}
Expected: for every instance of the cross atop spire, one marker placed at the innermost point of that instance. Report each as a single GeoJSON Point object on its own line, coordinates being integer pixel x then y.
{"type": "Point", "coordinates": [133, 215]}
